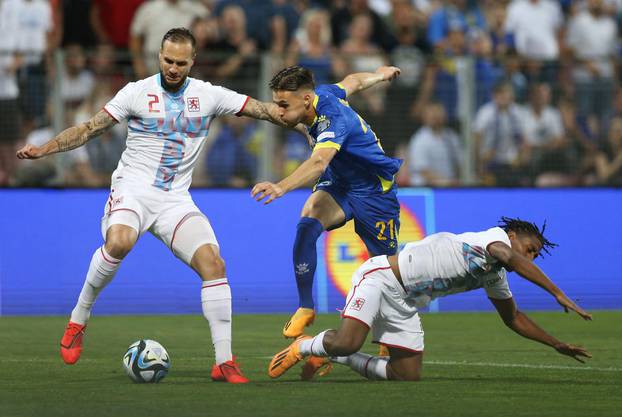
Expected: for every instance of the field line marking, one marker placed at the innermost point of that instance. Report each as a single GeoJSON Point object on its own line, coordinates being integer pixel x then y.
{"type": "Point", "coordinates": [429, 362]}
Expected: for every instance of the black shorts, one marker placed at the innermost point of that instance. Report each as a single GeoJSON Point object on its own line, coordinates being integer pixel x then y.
{"type": "Point", "coordinates": [10, 121]}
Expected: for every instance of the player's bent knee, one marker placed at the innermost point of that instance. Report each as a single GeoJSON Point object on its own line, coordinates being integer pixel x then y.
{"type": "Point", "coordinates": [208, 263]}
{"type": "Point", "coordinates": [120, 242]}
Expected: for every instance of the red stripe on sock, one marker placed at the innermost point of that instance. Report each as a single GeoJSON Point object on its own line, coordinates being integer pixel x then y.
{"type": "Point", "coordinates": [110, 261]}
{"type": "Point", "coordinates": [215, 285]}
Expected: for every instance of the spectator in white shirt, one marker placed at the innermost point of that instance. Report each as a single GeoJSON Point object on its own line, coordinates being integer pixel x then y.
{"type": "Point", "coordinates": [435, 154]}
{"type": "Point", "coordinates": [546, 149]}
{"type": "Point", "coordinates": [77, 82]}
{"type": "Point", "coordinates": [499, 136]}
{"type": "Point", "coordinates": [151, 21]}
{"type": "Point", "coordinates": [535, 25]}
{"type": "Point", "coordinates": [592, 40]}
{"type": "Point", "coordinates": [10, 61]}
{"type": "Point", "coordinates": [35, 42]}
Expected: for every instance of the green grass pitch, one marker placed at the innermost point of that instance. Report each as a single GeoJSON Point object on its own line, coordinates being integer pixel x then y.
{"type": "Point", "coordinates": [473, 366]}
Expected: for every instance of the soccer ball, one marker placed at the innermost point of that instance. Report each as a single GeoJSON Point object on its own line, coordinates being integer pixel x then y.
{"type": "Point", "coordinates": [146, 361]}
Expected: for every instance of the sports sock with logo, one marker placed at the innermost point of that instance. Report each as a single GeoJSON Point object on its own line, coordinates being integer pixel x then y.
{"type": "Point", "coordinates": [305, 258]}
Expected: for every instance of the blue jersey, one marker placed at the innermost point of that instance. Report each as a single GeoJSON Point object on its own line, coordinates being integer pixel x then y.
{"type": "Point", "coordinates": [360, 164]}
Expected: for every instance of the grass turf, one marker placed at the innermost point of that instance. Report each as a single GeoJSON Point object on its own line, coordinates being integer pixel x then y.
{"type": "Point", "coordinates": [473, 366]}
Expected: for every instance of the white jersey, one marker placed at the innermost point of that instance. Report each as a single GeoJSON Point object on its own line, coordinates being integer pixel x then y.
{"type": "Point", "coordinates": [166, 131]}
{"type": "Point", "coordinates": [446, 263]}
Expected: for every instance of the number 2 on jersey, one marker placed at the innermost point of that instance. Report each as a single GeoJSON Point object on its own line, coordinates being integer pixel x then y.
{"type": "Point", "coordinates": [155, 100]}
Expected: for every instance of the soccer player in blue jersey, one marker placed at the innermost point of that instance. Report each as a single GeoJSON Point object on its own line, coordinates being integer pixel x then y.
{"type": "Point", "coordinates": [354, 178]}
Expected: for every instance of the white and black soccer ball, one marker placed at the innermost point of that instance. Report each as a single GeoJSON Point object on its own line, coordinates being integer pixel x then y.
{"type": "Point", "coordinates": [146, 361]}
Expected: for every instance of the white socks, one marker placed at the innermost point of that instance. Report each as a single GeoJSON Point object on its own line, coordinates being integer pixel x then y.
{"type": "Point", "coordinates": [371, 367]}
{"type": "Point", "coordinates": [216, 303]}
{"type": "Point", "coordinates": [100, 273]}
{"type": "Point", "coordinates": [314, 346]}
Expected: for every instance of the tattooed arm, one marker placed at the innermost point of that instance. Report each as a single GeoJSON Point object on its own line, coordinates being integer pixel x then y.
{"type": "Point", "coordinates": [70, 138]}
{"type": "Point", "coordinates": [261, 110]}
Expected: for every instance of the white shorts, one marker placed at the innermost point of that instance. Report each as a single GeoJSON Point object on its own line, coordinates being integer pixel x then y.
{"type": "Point", "coordinates": [160, 212]}
{"type": "Point", "coordinates": [377, 300]}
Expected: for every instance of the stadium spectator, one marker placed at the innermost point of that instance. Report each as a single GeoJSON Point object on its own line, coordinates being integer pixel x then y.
{"type": "Point", "coordinates": [609, 160]}
{"type": "Point", "coordinates": [283, 24]}
{"type": "Point", "coordinates": [111, 21]}
{"type": "Point", "coordinates": [546, 150]}
{"type": "Point", "coordinates": [593, 42]}
{"type": "Point", "coordinates": [362, 55]}
{"type": "Point", "coordinates": [230, 160]}
{"type": "Point", "coordinates": [74, 15]}
{"type": "Point", "coordinates": [440, 80]}
{"type": "Point", "coordinates": [487, 71]}
{"type": "Point", "coordinates": [582, 137]}
{"type": "Point", "coordinates": [10, 115]}
{"type": "Point", "coordinates": [409, 56]}
{"type": "Point", "coordinates": [233, 60]}
{"type": "Point", "coordinates": [295, 151]}
{"type": "Point", "coordinates": [35, 41]}
{"type": "Point", "coordinates": [312, 48]}
{"type": "Point", "coordinates": [68, 170]}
{"type": "Point", "coordinates": [77, 81]}
{"type": "Point", "coordinates": [103, 154]}
{"type": "Point", "coordinates": [536, 28]}
{"type": "Point", "coordinates": [454, 14]}
{"type": "Point", "coordinates": [499, 137]}
{"type": "Point", "coordinates": [435, 153]}
{"type": "Point", "coordinates": [535, 25]}
{"type": "Point", "coordinates": [150, 23]}
{"type": "Point", "coordinates": [264, 22]}
{"type": "Point", "coordinates": [342, 18]}
{"type": "Point", "coordinates": [502, 42]}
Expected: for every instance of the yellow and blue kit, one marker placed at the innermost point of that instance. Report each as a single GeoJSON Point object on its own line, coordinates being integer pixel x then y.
{"type": "Point", "coordinates": [360, 177]}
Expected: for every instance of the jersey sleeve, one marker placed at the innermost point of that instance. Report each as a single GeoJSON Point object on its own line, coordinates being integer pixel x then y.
{"type": "Point", "coordinates": [495, 234]}
{"type": "Point", "coordinates": [228, 101]}
{"type": "Point", "coordinates": [120, 107]}
{"type": "Point", "coordinates": [498, 289]}
{"type": "Point", "coordinates": [336, 90]}
{"type": "Point", "coordinates": [331, 131]}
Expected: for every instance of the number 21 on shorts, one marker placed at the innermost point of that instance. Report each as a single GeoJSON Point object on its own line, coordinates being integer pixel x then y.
{"type": "Point", "coordinates": [383, 226]}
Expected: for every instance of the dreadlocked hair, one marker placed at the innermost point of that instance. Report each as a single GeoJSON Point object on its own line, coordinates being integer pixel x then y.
{"type": "Point", "coordinates": [521, 226]}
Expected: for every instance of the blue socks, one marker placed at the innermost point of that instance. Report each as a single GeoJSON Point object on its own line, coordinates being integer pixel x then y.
{"type": "Point", "coordinates": [305, 258]}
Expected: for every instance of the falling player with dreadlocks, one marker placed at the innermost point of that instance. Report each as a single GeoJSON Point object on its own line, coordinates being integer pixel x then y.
{"type": "Point", "coordinates": [388, 291]}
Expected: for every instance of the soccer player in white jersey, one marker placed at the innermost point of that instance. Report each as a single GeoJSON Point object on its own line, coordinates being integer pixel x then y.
{"type": "Point", "coordinates": [169, 115]}
{"type": "Point", "coordinates": [387, 292]}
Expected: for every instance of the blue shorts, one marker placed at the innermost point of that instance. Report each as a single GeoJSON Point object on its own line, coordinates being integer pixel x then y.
{"type": "Point", "coordinates": [376, 215]}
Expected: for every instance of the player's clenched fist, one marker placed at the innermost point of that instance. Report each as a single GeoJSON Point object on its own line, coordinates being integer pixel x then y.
{"type": "Point", "coordinates": [29, 152]}
{"type": "Point", "coordinates": [266, 189]}
{"type": "Point", "coordinates": [389, 73]}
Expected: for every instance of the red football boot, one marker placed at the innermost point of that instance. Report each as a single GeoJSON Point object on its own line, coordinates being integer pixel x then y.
{"type": "Point", "coordinates": [71, 343]}
{"type": "Point", "coordinates": [228, 372]}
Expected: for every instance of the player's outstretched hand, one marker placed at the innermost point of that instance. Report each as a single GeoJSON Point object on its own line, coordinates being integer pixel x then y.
{"type": "Point", "coordinates": [29, 152]}
{"type": "Point", "coordinates": [389, 73]}
{"type": "Point", "coordinates": [575, 352]}
{"type": "Point", "coordinates": [568, 305]}
{"type": "Point", "coordinates": [266, 189]}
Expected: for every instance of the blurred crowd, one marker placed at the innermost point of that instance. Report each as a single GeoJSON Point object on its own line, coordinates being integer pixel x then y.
{"type": "Point", "coordinates": [545, 98]}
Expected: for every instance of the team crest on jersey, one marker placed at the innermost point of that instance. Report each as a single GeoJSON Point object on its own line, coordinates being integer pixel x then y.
{"type": "Point", "coordinates": [357, 304]}
{"type": "Point", "coordinates": [193, 104]}
{"type": "Point", "coordinates": [322, 124]}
